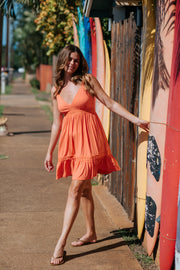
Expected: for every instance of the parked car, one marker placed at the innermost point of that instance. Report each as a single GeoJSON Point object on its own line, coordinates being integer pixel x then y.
{"type": "Point", "coordinates": [21, 70]}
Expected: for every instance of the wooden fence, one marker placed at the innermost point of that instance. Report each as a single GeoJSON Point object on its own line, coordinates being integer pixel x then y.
{"type": "Point", "coordinates": [125, 65]}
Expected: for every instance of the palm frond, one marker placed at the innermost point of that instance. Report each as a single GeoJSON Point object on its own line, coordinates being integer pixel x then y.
{"type": "Point", "coordinates": [34, 4]}
{"type": "Point", "coordinates": [161, 75]}
{"type": "Point", "coordinates": [7, 7]}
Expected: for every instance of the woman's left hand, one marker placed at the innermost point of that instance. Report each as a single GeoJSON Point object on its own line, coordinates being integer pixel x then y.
{"type": "Point", "coordinates": [48, 163]}
{"type": "Point", "coordinates": [143, 124]}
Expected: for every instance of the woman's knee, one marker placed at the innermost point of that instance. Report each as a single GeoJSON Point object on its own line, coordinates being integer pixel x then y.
{"type": "Point", "coordinates": [87, 190]}
{"type": "Point", "coordinates": [75, 190]}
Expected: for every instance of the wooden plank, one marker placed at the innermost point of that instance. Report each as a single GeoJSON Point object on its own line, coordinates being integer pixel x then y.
{"type": "Point", "coordinates": [125, 75]}
{"type": "Point", "coordinates": [113, 85]}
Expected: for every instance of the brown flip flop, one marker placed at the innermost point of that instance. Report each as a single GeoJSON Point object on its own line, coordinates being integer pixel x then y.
{"type": "Point", "coordinates": [79, 242]}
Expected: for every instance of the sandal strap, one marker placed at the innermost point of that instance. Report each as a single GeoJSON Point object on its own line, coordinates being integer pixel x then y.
{"type": "Point", "coordinates": [57, 257]}
{"type": "Point", "coordinates": [62, 256]}
{"type": "Point", "coordinates": [83, 241]}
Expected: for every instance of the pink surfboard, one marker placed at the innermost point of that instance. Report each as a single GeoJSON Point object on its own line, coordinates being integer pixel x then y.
{"type": "Point", "coordinates": [75, 34]}
{"type": "Point", "coordinates": [93, 46]}
{"type": "Point", "coordinates": [156, 142]}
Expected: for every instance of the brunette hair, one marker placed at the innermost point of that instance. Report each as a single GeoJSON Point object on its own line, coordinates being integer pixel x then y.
{"type": "Point", "coordinates": [80, 74]}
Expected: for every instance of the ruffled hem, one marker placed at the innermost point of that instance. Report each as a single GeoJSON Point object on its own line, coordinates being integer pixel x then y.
{"type": "Point", "coordinates": [86, 168]}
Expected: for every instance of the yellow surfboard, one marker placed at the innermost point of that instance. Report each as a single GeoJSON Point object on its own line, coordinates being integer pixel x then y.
{"type": "Point", "coordinates": [106, 112]}
{"type": "Point", "coordinates": [100, 65]}
{"type": "Point", "coordinates": [147, 58]}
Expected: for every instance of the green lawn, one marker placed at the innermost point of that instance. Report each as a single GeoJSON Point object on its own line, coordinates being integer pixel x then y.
{"type": "Point", "coordinates": [1, 110]}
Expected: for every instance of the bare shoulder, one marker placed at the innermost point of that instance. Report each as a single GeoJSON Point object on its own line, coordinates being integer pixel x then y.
{"type": "Point", "coordinates": [53, 90]}
{"type": "Point", "coordinates": [90, 77]}
{"type": "Point", "coordinates": [92, 81]}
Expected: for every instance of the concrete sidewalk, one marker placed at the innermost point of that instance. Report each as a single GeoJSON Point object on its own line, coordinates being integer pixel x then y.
{"type": "Point", "coordinates": [32, 201]}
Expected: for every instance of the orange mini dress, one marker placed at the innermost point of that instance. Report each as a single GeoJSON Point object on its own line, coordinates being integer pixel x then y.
{"type": "Point", "coordinates": [83, 150]}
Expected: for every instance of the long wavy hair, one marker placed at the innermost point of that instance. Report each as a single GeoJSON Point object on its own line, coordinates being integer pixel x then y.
{"type": "Point", "coordinates": [80, 75]}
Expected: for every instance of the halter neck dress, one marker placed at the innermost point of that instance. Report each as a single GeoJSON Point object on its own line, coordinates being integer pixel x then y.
{"type": "Point", "coordinates": [83, 150]}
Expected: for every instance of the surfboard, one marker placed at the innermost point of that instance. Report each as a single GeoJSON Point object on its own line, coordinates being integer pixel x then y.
{"type": "Point", "coordinates": [75, 33]}
{"type": "Point", "coordinates": [172, 158]}
{"type": "Point", "coordinates": [100, 65]}
{"type": "Point", "coordinates": [158, 119]}
{"type": "Point", "coordinates": [106, 112]}
{"type": "Point", "coordinates": [93, 47]}
{"type": "Point", "coordinates": [177, 251]}
{"type": "Point", "coordinates": [88, 53]}
{"type": "Point", "coordinates": [81, 33]}
{"type": "Point", "coordinates": [147, 56]}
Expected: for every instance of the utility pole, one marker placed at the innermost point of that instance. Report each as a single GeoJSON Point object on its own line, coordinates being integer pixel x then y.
{"type": "Point", "coordinates": [7, 43]}
{"type": "Point", "coordinates": [1, 29]}
{"type": "Point", "coordinates": [8, 48]}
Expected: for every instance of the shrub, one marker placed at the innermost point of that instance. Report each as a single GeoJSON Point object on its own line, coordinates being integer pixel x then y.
{"type": "Point", "coordinates": [35, 83]}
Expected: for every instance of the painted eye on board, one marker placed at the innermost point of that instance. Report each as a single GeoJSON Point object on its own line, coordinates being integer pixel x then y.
{"type": "Point", "coordinates": [153, 157]}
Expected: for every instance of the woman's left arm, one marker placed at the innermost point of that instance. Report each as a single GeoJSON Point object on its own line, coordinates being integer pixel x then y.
{"type": "Point", "coordinates": [114, 106]}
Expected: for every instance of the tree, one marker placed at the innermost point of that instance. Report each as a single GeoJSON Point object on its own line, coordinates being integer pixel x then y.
{"type": "Point", "coordinates": [28, 41]}
{"type": "Point", "coordinates": [55, 22]}
{"type": "Point", "coordinates": [6, 7]}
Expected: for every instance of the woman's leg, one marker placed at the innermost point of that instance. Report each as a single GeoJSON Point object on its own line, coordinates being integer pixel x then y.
{"type": "Point", "coordinates": [87, 204]}
{"type": "Point", "coordinates": [71, 210]}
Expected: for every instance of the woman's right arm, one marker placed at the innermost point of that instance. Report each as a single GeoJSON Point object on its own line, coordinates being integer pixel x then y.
{"type": "Point", "coordinates": [55, 132]}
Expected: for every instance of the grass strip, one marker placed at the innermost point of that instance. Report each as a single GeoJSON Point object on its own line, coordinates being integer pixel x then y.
{"type": "Point", "coordinates": [3, 157]}
{"type": "Point", "coordinates": [1, 110]}
{"type": "Point", "coordinates": [48, 111]}
{"type": "Point", "coordinates": [8, 89]}
{"type": "Point", "coordinates": [43, 96]}
{"type": "Point", "coordinates": [40, 95]}
{"type": "Point", "coordinates": [135, 245]}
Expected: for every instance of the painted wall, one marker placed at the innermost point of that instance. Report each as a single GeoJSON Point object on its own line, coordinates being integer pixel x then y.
{"type": "Point", "coordinates": [44, 75]}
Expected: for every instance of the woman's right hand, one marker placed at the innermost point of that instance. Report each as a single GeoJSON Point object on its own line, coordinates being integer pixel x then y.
{"type": "Point", "coordinates": [48, 163]}
{"type": "Point", "coordinates": [143, 124]}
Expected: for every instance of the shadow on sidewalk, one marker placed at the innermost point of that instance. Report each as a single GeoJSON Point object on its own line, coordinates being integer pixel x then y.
{"type": "Point", "coordinates": [14, 114]}
{"type": "Point", "coordinates": [97, 250]}
{"type": "Point", "coordinates": [30, 132]}
{"type": "Point", "coordinates": [116, 234]}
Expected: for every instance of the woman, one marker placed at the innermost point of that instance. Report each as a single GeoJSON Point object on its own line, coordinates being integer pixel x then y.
{"type": "Point", "coordinates": [83, 148]}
